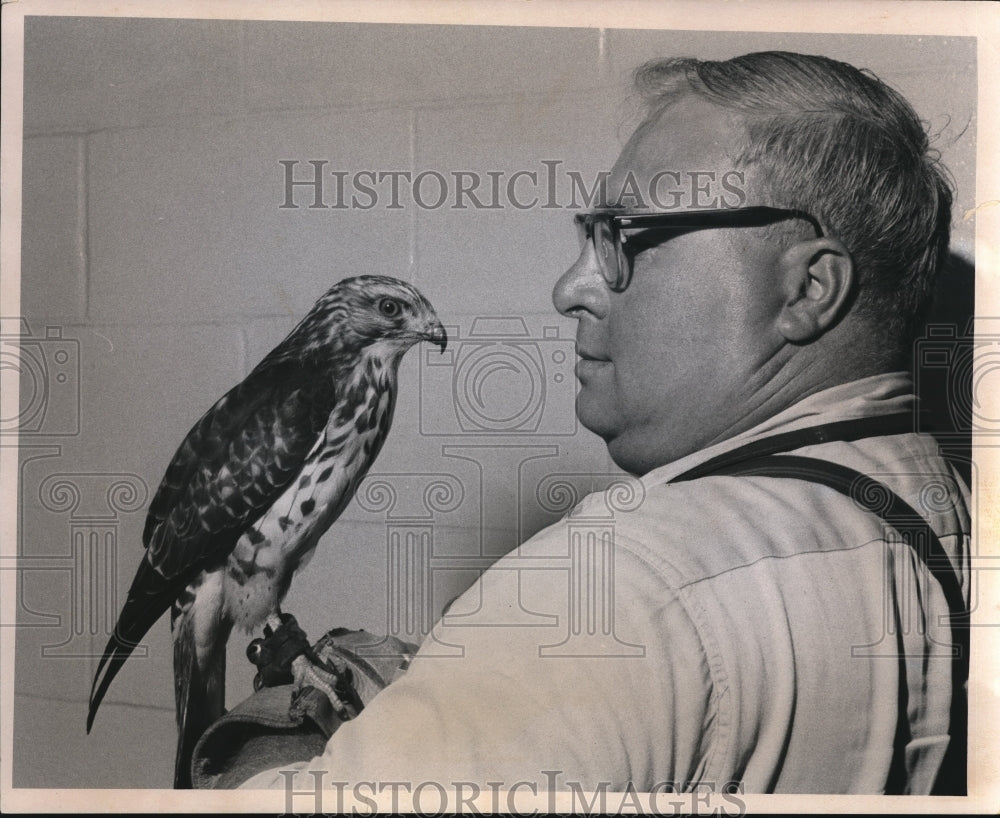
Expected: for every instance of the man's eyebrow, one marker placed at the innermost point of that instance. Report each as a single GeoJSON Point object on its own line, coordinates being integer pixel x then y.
{"type": "Point", "coordinates": [610, 208]}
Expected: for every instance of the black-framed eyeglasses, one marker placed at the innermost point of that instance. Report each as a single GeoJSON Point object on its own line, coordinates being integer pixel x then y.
{"type": "Point", "coordinates": [618, 237]}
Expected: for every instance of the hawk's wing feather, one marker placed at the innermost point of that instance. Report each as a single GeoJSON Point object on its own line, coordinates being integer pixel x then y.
{"type": "Point", "coordinates": [232, 466]}
{"type": "Point", "coordinates": [235, 463]}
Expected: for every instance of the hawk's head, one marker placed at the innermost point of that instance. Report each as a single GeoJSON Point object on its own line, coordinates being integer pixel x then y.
{"type": "Point", "coordinates": [360, 312]}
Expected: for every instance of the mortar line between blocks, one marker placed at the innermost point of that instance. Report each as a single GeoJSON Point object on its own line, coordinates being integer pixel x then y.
{"type": "Point", "coordinates": [83, 217]}
{"type": "Point", "coordinates": [412, 215]}
{"type": "Point", "coordinates": [603, 69]}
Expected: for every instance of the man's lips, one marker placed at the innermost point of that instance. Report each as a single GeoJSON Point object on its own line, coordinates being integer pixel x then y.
{"type": "Point", "coordinates": [589, 362]}
{"type": "Point", "coordinates": [591, 353]}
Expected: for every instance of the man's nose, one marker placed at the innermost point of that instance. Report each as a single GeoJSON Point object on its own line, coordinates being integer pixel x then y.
{"type": "Point", "coordinates": [582, 289]}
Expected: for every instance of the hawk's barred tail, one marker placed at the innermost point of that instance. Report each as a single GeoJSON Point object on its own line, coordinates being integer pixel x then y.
{"type": "Point", "coordinates": [148, 598]}
{"type": "Point", "coordinates": [199, 688]}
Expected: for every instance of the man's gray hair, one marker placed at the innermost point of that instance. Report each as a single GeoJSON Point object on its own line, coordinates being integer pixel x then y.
{"type": "Point", "coordinates": [837, 142]}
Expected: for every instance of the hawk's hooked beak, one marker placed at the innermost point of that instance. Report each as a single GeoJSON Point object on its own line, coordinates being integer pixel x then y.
{"type": "Point", "coordinates": [437, 335]}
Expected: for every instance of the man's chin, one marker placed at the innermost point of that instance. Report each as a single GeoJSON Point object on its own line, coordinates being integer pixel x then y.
{"type": "Point", "coordinates": [626, 450]}
{"type": "Point", "coordinates": [594, 419]}
{"type": "Point", "coordinates": [627, 458]}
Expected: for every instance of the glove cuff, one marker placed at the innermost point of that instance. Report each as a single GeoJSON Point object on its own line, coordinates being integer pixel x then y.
{"type": "Point", "coordinates": [277, 726]}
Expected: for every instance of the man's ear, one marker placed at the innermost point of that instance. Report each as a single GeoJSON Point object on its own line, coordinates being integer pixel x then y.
{"type": "Point", "coordinates": [818, 278]}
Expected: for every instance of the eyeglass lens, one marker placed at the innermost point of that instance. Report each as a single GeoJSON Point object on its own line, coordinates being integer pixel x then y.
{"type": "Point", "coordinates": [607, 253]}
{"type": "Point", "coordinates": [601, 234]}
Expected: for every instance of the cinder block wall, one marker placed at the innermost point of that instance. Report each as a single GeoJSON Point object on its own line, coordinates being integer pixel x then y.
{"type": "Point", "coordinates": [158, 267]}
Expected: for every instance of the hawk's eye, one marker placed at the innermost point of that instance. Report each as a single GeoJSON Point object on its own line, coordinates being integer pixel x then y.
{"type": "Point", "coordinates": [389, 307]}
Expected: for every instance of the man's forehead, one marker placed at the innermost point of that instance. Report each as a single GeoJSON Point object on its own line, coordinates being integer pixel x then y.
{"type": "Point", "coordinates": [689, 136]}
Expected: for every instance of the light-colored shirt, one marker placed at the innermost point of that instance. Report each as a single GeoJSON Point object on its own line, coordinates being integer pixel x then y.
{"type": "Point", "coordinates": [729, 629]}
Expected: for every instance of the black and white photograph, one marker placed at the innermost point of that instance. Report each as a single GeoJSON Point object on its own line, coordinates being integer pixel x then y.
{"type": "Point", "coordinates": [507, 406]}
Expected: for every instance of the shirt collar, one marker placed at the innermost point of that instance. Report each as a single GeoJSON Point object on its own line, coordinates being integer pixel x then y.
{"type": "Point", "coordinates": [883, 394]}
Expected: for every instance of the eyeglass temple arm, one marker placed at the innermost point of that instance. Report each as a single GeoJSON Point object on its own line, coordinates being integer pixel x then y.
{"type": "Point", "coordinates": [746, 216]}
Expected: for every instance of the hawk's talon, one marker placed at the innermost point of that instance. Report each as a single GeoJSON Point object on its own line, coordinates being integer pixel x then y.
{"type": "Point", "coordinates": [310, 671]}
{"type": "Point", "coordinates": [284, 656]}
{"type": "Point", "coordinates": [258, 653]}
{"type": "Point", "coordinates": [276, 621]}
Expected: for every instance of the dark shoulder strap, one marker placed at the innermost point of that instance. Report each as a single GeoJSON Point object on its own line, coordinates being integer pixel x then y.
{"type": "Point", "coordinates": [879, 499]}
{"type": "Point", "coordinates": [765, 457]}
{"type": "Point", "coordinates": [873, 496]}
{"type": "Point", "coordinates": [900, 423]}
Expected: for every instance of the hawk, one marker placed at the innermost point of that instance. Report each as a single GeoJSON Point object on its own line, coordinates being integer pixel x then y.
{"type": "Point", "coordinates": [256, 482]}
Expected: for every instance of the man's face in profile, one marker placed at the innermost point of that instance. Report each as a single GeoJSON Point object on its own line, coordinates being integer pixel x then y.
{"type": "Point", "coordinates": [674, 362]}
